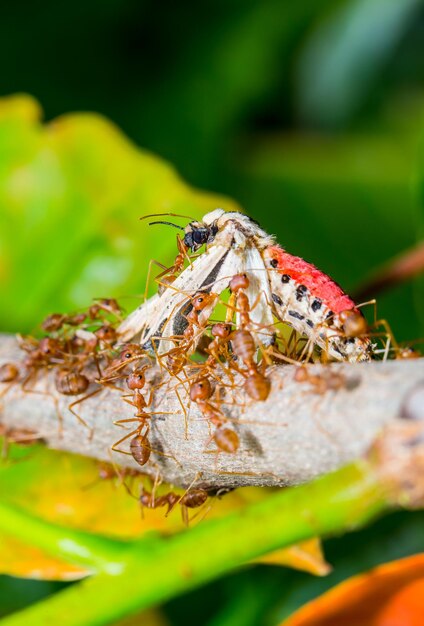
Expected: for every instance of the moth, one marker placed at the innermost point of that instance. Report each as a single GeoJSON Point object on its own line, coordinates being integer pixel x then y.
{"type": "Point", "coordinates": [281, 286]}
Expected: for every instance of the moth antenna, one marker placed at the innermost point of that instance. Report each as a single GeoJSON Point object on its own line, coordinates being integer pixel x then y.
{"type": "Point", "coordinates": [145, 217]}
{"type": "Point", "coordinates": [167, 224]}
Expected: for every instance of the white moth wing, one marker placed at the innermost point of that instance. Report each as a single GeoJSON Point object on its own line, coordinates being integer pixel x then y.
{"type": "Point", "coordinates": [141, 321]}
{"type": "Point", "coordinates": [136, 323]}
{"type": "Point", "coordinates": [210, 272]}
{"type": "Point", "coordinates": [259, 295]}
{"type": "Point", "coordinates": [290, 310]}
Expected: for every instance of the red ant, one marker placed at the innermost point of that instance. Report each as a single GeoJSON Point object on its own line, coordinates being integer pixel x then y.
{"type": "Point", "coordinates": [129, 353]}
{"type": "Point", "coordinates": [56, 321]}
{"type": "Point", "coordinates": [321, 383]}
{"type": "Point", "coordinates": [226, 439]}
{"type": "Point", "coordinates": [40, 354]}
{"type": "Point", "coordinates": [177, 357]}
{"type": "Point", "coordinates": [140, 448]}
{"type": "Point", "coordinates": [73, 383]}
{"type": "Point", "coordinates": [218, 347]}
{"type": "Point", "coordinates": [354, 324]}
{"type": "Point", "coordinates": [191, 499]}
{"type": "Point", "coordinates": [19, 436]}
{"type": "Point", "coordinates": [50, 352]}
{"type": "Point", "coordinates": [168, 276]}
{"type": "Point", "coordinates": [105, 305]}
{"type": "Point", "coordinates": [257, 386]}
{"type": "Point", "coordinates": [109, 471]}
{"type": "Point", "coordinates": [8, 373]}
{"type": "Point", "coordinates": [107, 336]}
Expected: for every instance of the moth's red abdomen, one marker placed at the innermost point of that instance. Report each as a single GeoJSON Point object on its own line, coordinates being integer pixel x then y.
{"type": "Point", "coordinates": [318, 284]}
{"type": "Point", "coordinates": [314, 305]}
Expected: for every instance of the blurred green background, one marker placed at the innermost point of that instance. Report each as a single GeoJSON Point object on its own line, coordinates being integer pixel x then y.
{"type": "Point", "coordinates": [308, 114]}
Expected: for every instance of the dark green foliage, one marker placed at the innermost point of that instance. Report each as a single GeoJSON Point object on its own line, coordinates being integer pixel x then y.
{"type": "Point", "coordinates": [288, 108]}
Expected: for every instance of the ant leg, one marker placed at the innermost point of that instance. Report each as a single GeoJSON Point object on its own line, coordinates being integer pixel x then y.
{"type": "Point", "coordinates": [135, 432]}
{"type": "Point", "coordinates": [79, 401]}
{"type": "Point", "coordinates": [185, 414]}
{"type": "Point", "coordinates": [127, 436]}
{"type": "Point", "coordinates": [183, 495]}
{"type": "Point", "coordinates": [34, 376]}
{"type": "Point", "coordinates": [139, 418]}
{"type": "Point", "coordinates": [149, 272]}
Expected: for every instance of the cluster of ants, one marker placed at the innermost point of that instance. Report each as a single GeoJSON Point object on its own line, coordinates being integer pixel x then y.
{"type": "Point", "coordinates": [84, 352]}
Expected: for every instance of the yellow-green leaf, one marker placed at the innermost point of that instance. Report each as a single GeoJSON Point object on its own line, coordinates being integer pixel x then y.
{"type": "Point", "coordinates": [71, 194]}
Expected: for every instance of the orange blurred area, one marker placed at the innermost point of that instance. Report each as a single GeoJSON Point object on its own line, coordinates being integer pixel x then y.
{"type": "Point", "coordinates": [388, 595]}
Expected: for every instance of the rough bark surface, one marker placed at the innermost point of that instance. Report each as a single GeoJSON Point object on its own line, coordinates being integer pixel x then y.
{"type": "Point", "coordinates": [291, 438]}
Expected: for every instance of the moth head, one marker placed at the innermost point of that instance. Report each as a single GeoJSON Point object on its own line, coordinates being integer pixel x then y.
{"type": "Point", "coordinates": [196, 234]}
{"type": "Point", "coordinates": [199, 233]}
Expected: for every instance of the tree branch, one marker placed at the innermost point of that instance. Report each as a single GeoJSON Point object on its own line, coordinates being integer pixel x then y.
{"type": "Point", "coordinates": [403, 267]}
{"type": "Point", "coordinates": [296, 435]}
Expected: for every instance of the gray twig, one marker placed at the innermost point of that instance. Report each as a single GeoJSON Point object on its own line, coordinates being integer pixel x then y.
{"type": "Point", "coordinates": [295, 435]}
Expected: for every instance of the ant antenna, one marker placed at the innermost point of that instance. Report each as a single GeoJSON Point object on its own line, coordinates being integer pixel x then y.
{"type": "Point", "coordinates": [167, 223]}
{"type": "Point", "coordinates": [144, 217]}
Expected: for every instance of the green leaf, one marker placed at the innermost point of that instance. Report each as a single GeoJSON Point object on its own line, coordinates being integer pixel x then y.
{"type": "Point", "coordinates": [344, 55]}
{"type": "Point", "coordinates": [71, 194]}
{"type": "Point", "coordinates": [156, 569]}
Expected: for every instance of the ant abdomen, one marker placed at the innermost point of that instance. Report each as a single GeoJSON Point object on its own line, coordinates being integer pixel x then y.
{"type": "Point", "coordinates": [226, 440]}
{"type": "Point", "coordinates": [257, 387]}
{"type": "Point", "coordinates": [243, 345]}
{"type": "Point", "coordinates": [8, 373]}
{"type": "Point", "coordinates": [194, 498]}
{"type": "Point", "coordinates": [139, 450]}
{"type": "Point", "coordinates": [70, 383]}
{"type": "Point", "coordinates": [354, 323]}
{"type": "Point", "coordinates": [53, 322]}
{"type": "Point", "coordinates": [165, 282]}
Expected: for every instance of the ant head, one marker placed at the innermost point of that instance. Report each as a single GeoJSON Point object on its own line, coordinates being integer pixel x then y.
{"type": "Point", "coordinates": [48, 346]}
{"type": "Point", "coordinates": [239, 281]}
{"type": "Point", "coordinates": [106, 333]}
{"type": "Point", "coordinates": [201, 300]}
{"type": "Point", "coordinates": [200, 390]}
{"type": "Point", "coordinates": [129, 352]}
{"type": "Point", "coordinates": [221, 330]}
{"type": "Point", "coordinates": [136, 380]}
